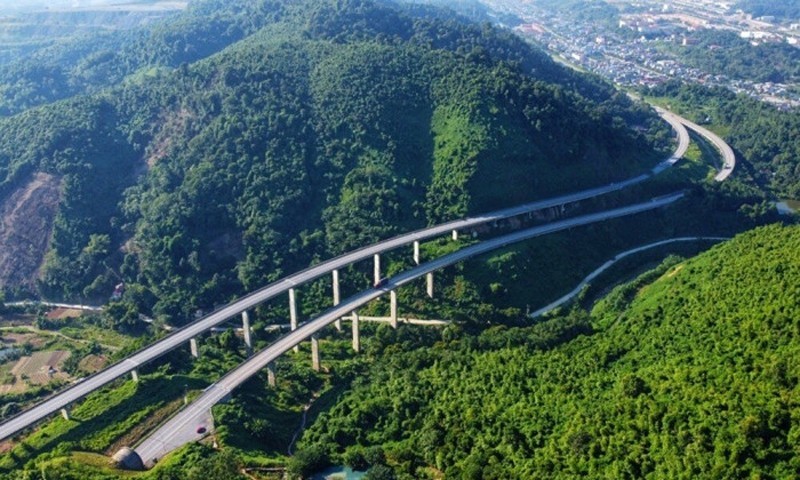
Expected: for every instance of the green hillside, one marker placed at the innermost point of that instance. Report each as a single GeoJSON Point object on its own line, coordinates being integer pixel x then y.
{"type": "Point", "coordinates": [689, 372]}
{"type": "Point", "coordinates": [294, 131]}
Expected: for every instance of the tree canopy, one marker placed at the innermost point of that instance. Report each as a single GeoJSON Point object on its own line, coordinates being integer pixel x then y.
{"type": "Point", "coordinates": [689, 373]}
{"type": "Point", "coordinates": [314, 127]}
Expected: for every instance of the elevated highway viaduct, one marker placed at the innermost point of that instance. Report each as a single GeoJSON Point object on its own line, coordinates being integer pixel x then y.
{"type": "Point", "coordinates": [62, 400]}
{"type": "Point", "coordinates": [181, 428]}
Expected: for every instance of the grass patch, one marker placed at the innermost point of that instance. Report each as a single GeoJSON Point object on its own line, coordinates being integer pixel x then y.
{"type": "Point", "coordinates": [80, 466]}
{"type": "Point", "coordinates": [102, 336]}
{"type": "Point", "coordinates": [102, 418]}
{"type": "Point", "coordinates": [146, 425]}
{"type": "Point", "coordinates": [793, 204]}
{"type": "Point", "coordinates": [102, 464]}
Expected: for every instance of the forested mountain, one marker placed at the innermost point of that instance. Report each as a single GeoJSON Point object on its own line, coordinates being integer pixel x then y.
{"type": "Point", "coordinates": [27, 29]}
{"type": "Point", "coordinates": [239, 141]}
{"type": "Point", "coordinates": [690, 371]}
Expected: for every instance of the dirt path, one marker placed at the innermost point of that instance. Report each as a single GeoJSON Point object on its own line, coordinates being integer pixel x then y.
{"type": "Point", "coordinates": [299, 431]}
{"type": "Point", "coordinates": [35, 330]}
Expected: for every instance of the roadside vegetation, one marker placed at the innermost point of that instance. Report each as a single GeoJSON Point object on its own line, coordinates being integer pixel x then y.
{"type": "Point", "coordinates": [762, 136]}
{"type": "Point", "coordinates": [687, 371]}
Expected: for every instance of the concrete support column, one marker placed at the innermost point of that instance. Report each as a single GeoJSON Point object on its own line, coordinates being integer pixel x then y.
{"type": "Point", "coordinates": [293, 308]}
{"type": "Point", "coordinates": [193, 348]}
{"type": "Point", "coordinates": [336, 298]}
{"type": "Point", "coordinates": [271, 374]}
{"type": "Point", "coordinates": [416, 252]}
{"type": "Point", "coordinates": [65, 413]}
{"type": "Point", "coordinates": [393, 308]}
{"type": "Point", "coordinates": [248, 340]}
{"type": "Point", "coordinates": [135, 375]}
{"type": "Point", "coordinates": [376, 263]}
{"type": "Point", "coordinates": [293, 313]}
{"type": "Point", "coordinates": [455, 235]}
{"type": "Point", "coordinates": [356, 333]}
{"type": "Point", "coordinates": [429, 281]}
{"type": "Point", "coordinates": [315, 353]}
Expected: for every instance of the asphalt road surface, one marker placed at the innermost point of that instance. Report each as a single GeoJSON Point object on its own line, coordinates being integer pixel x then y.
{"type": "Point", "coordinates": [728, 157]}
{"type": "Point", "coordinates": [589, 278]}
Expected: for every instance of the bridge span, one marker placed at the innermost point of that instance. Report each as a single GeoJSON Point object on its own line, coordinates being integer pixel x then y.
{"type": "Point", "coordinates": [187, 334]}
{"type": "Point", "coordinates": [181, 428]}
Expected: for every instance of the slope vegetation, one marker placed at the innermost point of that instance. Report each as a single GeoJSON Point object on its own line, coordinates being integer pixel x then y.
{"type": "Point", "coordinates": [241, 148]}
{"type": "Point", "coordinates": [689, 372]}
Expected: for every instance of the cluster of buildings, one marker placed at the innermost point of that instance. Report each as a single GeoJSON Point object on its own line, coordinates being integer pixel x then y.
{"type": "Point", "coordinates": [629, 51]}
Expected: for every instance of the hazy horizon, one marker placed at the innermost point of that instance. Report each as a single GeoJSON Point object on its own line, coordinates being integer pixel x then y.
{"type": "Point", "coordinates": [23, 5]}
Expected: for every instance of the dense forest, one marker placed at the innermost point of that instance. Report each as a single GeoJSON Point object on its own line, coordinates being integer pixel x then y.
{"type": "Point", "coordinates": [194, 170]}
{"type": "Point", "coordinates": [687, 372]}
{"type": "Point", "coordinates": [204, 155]}
{"type": "Point", "coordinates": [23, 32]}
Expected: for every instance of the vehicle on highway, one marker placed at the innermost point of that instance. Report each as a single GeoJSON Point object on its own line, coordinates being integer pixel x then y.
{"type": "Point", "coordinates": [201, 429]}
{"type": "Point", "coordinates": [380, 283]}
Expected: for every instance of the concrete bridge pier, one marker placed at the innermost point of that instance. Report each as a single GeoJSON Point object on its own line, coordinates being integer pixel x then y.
{"type": "Point", "coordinates": [271, 374]}
{"type": "Point", "coordinates": [336, 298]}
{"type": "Point", "coordinates": [455, 235]}
{"type": "Point", "coordinates": [315, 353]}
{"type": "Point", "coordinates": [134, 375]}
{"type": "Point", "coordinates": [416, 252]}
{"type": "Point", "coordinates": [193, 348]}
{"type": "Point", "coordinates": [376, 267]}
{"type": "Point", "coordinates": [65, 413]}
{"type": "Point", "coordinates": [248, 340]}
{"type": "Point", "coordinates": [293, 313]}
{"type": "Point", "coordinates": [356, 333]}
{"type": "Point", "coordinates": [429, 282]}
{"type": "Point", "coordinates": [393, 308]}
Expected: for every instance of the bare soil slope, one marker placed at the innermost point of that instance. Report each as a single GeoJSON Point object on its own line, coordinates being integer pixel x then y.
{"type": "Point", "coordinates": [26, 223]}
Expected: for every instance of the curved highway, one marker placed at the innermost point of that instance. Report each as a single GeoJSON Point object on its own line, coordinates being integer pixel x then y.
{"type": "Point", "coordinates": [181, 428]}
{"type": "Point", "coordinates": [611, 262]}
{"type": "Point", "coordinates": [728, 157]}
{"type": "Point", "coordinates": [185, 334]}
{"type": "Point", "coordinates": [677, 124]}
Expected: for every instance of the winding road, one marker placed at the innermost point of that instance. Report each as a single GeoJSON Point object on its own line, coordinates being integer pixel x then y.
{"type": "Point", "coordinates": [611, 262]}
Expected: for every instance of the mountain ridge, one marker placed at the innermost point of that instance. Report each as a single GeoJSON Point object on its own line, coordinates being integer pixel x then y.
{"type": "Point", "coordinates": [320, 132]}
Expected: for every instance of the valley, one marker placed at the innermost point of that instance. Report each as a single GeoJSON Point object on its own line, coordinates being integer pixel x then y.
{"type": "Point", "coordinates": [193, 166]}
